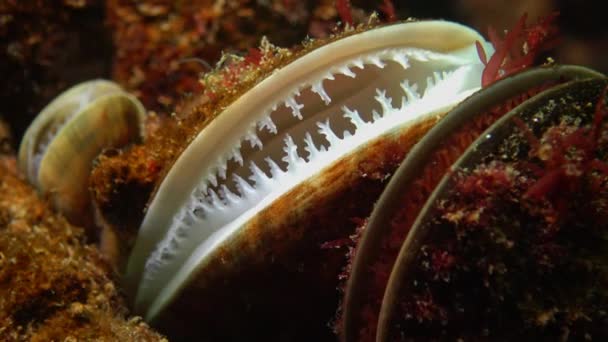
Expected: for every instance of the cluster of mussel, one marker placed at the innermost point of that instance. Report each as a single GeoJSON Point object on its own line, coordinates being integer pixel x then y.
{"type": "Point", "coordinates": [490, 222]}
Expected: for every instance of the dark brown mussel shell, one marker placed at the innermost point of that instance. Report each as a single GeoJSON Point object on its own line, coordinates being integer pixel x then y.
{"type": "Point", "coordinates": [413, 184]}
{"type": "Point", "coordinates": [513, 241]}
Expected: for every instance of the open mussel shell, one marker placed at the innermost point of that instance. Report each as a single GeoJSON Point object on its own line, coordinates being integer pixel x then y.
{"type": "Point", "coordinates": [414, 182]}
{"type": "Point", "coordinates": [486, 303]}
{"type": "Point", "coordinates": [231, 240]}
{"type": "Point", "coordinates": [58, 148]}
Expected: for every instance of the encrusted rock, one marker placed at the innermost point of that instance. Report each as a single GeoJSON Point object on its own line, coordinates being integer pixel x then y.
{"type": "Point", "coordinates": [54, 287]}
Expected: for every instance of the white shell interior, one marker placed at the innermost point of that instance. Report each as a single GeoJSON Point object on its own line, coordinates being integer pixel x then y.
{"type": "Point", "coordinates": [291, 126]}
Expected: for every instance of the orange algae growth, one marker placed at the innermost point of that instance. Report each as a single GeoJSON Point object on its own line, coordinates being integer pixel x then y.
{"type": "Point", "coordinates": [53, 286]}
{"type": "Point", "coordinates": [120, 187]}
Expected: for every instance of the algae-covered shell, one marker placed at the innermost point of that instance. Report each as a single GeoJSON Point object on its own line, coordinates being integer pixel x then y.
{"type": "Point", "coordinates": [295, 139]}
{"type": "Point", "coordinates": [410, 205]}
{"type": "Point", "coordinates": [570, 113]}
{"type": "Point", "coordinates": [414, 181]}
{"type": "Point", "coordinates": [58, 148]}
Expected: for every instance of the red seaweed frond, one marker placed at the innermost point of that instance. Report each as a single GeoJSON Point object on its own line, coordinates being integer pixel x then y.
{"type": "Point", "coordinates": [345, 11]}
{"type": "Point", "coordinates": [388, 9]}
{"type": "Point", "coordinates": [518, 49]}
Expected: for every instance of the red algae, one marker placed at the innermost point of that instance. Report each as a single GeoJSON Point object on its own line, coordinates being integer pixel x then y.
{"type": "Point", "coordinates": [519, 49]}
{"type": "Point", "coordinates": [345, 11]}
{"type": "Point", "coordinates": [566, 154]}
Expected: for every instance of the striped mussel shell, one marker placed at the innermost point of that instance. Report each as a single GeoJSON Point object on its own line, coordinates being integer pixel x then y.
{"type": "Point", "coordinates": [58, 148]}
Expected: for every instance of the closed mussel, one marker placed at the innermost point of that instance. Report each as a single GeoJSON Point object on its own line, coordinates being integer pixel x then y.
{"type": "Point", "coordinates": [509, 240]}
{"type": "Point", "coordinates": [58, 148]}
